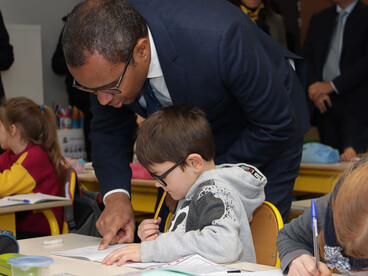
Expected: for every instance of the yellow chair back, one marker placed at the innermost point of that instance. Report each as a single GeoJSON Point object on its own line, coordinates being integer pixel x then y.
{"type": "Point", "coordinates": [266, 223]}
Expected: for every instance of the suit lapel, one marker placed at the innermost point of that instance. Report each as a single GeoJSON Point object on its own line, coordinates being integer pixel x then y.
{"type": "Point", "coordinates": [352, 20]}
{"type": "Point", "coordinates": [174, 74]}
{"type": "Point", "coordinates": [352, 23]}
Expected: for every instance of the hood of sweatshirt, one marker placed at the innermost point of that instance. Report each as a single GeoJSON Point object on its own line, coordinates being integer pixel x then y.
{"type": "Point", "coordinates": [245, 180]}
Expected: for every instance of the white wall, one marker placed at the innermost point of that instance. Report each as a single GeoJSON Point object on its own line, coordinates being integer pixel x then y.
{"type": "Point", "coordinates": [24, 78]}
{"type": "Point", "coordinates": [48, 14]}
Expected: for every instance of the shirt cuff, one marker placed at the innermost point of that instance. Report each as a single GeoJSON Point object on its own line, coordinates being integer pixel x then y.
{"type": "Point", "coordinates": [292, 63]}
{"type": "Point", "coordinates": [115, 191]}
{"type": "Point", "coordinates": [334, 88]}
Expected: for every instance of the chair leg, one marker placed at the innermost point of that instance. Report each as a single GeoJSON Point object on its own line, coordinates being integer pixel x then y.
{"type": "Point", "coordinates": [65, 228]}
{"type": "Point", "coordinates": [54, 226]}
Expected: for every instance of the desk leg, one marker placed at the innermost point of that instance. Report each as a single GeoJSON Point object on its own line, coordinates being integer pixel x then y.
{"type": "Point", "coordinates": [7, 222]}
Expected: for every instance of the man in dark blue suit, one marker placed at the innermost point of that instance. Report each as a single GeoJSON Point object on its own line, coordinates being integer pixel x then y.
{"type": "Point", "coordinates": [340, 98]}
{"type": "Point", "coordinates": [205, 53]}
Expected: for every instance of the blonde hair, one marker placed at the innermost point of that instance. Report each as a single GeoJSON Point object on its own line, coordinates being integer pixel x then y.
{"type": "Point", "coordinates": [36, 123]}
{"type": "Point", "coordinates": [350, 211]}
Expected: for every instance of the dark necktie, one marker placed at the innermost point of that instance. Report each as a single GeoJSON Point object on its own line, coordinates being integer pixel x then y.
{"type": "Point", "coordinates": [152, 103]}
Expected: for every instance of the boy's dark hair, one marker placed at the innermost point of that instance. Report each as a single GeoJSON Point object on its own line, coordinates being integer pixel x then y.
{"type": "Point", "coordinates": [172, 133]}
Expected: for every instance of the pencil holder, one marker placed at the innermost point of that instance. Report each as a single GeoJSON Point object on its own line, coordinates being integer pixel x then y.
{"type": "Point", "coordinates": [8, 243]}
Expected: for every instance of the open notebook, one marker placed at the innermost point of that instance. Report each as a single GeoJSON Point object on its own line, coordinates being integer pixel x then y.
{"type": "Point", "coordinates": [190, 265]}
{"type": "Point", "coordinates": [28, 199]}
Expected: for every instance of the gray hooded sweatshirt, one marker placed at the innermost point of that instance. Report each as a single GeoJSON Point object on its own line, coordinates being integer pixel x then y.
{"type": "Point", "coordinates": [213, 219]}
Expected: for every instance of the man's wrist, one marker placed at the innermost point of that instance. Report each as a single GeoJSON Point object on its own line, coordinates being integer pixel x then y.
{"type": "Point", "coordinates": [119, 194]}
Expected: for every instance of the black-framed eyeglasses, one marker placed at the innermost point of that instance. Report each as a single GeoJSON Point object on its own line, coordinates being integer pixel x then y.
{"type": "Point", "coordinates": [109, 90]}
{"type": "Point", "coordinates": [160, 178]}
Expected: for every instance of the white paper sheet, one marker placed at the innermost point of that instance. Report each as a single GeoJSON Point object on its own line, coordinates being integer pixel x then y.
{"type": "Point", "coordinates": [91, 253]}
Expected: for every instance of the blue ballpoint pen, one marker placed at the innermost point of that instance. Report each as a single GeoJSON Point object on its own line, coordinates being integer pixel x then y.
{"type": "Point", "coordinates": [315, 231]}
{"type": "Point", "coordinates": [19, 200]}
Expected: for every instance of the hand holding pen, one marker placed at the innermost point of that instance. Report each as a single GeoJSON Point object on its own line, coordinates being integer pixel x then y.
{"type": "Point", "coordinates": [305, 264]}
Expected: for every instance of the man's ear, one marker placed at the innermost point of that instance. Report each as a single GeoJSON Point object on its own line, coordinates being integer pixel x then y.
{"type": "Point", "coordinates": [195, 161]}
{"type": "Point", "coordinates": [142, 50]}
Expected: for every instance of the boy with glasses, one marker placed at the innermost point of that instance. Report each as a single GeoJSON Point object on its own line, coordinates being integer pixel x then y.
{"type": "Point", "coordinates": [215, 203]}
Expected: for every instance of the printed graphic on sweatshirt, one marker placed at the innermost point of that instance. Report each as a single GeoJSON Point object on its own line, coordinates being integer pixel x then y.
{"type": "Point", "coordinates": [209, 204]}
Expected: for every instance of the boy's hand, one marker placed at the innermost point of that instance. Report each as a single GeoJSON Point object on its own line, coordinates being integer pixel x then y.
{"type": "Point", "coordinates": [305, 265]}
{"type": "Point", "coordinates": [131, 252]}
{"type": "Point", "coordinates": [148, 229]}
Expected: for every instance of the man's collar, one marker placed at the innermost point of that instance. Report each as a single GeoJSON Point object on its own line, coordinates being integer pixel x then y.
{"type": "Point", "coordinates": [154, 69]}
{"type": "Point", "coordinates": [348, 9]}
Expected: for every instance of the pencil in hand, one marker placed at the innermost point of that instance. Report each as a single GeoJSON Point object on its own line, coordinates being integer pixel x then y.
{"type": "Point", "coordinates": [160, 205]}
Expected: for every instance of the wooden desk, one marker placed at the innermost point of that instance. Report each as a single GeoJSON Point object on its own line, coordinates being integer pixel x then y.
{"type": "Point", "coordinates": [143, 191]}
{"type": "Point", "coordinates": [7, 214]}
{"type": "Point", "coordinates": [64, 266]}
{"type": "Point", "coordinates": [318, 178]}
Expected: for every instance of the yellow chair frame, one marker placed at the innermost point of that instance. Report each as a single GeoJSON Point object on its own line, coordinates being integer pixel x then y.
{"type": "Point", "coordinates": [266, 223]}
{"type": "Point", "coordinates": [54, 226]}
{"type": "Point", "coordinates": [168, 221]}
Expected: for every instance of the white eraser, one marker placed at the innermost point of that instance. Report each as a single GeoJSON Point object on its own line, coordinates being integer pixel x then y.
{"type": "Point", "coordinates": [55, 241]}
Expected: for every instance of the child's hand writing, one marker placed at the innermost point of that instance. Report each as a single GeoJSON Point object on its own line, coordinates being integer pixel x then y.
{"type": "Point", "coordinates": [148, 229]}
{"type": "Point", "coordinates": [305, 265]}
{"type": "Point", "coordinates": [131, 252]}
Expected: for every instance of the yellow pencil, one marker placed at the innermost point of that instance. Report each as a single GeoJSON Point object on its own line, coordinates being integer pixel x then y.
{"type": "Point", "coordinates": [160, 205]}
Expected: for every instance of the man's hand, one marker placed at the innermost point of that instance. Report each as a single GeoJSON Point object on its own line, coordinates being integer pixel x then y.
{"type": "Point", "coordinates": [318, 89]}
{"type": "Point", "coordinates": [318, 93]}
{"type": "Point", "coordinates": [116, 223]}
{"type": "Point", "coordinates": [322, 102]}
{"type": "Point", "coordinates": [349, 154]}
{"type": "Point", "coordinates": [305, 265]}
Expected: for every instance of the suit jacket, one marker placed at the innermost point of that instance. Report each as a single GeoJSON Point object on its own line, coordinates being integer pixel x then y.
{"type": "Point", "coordinates": [6, 52]}
{"type": "Point", "coordinates": [215, 58]}
{"type": "Point", "coordinates": [352, 83]}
